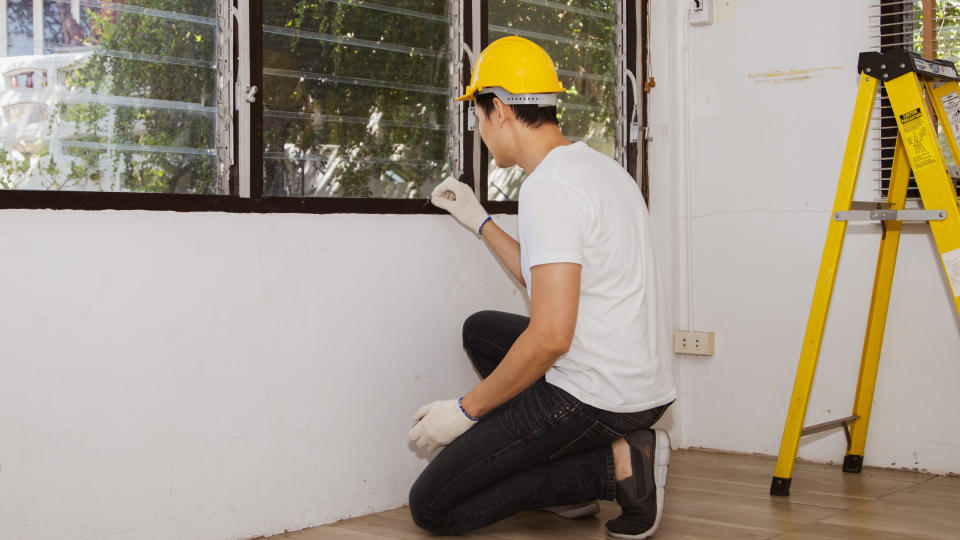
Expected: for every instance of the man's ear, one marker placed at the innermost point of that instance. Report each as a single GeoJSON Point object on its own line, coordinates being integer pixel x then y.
{"type": "Point", "coordinates": [501, 112]}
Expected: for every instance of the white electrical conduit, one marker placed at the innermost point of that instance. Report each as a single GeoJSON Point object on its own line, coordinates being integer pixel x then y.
{"type": "Point", "coordinates": [687, 178]}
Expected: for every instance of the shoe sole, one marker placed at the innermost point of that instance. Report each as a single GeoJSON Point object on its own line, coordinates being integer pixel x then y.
{"type": "Point", "coordinates": [574, 511]}
{"type": "Point", "coordinates": [661, 463]}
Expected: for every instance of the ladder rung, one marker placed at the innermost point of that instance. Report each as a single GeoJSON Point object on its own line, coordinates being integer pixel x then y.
{"type": "Point", "coordinates": [817, 428]}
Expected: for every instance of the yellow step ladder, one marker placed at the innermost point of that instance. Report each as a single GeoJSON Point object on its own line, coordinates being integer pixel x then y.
{"type": "Point", "coordinates": [908, 78]}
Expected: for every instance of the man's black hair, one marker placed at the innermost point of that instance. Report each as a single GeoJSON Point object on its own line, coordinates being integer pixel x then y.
{"type": "Point", "coordinates": [531, 115]}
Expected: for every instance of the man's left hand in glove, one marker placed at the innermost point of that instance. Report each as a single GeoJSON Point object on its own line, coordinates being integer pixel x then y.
{"type": "Point", "coordinates": [439, 423]}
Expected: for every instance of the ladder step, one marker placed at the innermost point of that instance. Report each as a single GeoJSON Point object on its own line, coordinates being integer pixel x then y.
{"type": "Point", "coordinates": [817, 428]}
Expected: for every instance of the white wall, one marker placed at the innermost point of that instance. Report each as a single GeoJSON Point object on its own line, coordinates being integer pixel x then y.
{"type": "Point", "coordinates": [764, 157]}
{"type": "Point", "coordinates": [214, 376]}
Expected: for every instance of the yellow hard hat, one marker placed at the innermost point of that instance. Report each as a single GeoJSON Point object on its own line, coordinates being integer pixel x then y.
{"type": "Point", "coordinates": [517, 65]}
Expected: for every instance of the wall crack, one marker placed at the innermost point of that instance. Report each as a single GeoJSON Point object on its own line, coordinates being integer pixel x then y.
{"type": "Point", "coordinates": [772, 211]}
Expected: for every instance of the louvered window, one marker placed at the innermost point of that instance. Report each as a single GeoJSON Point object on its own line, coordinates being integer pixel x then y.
{"type": "Point", "coordinates": [288, 105]}
{"type": "Point", "coordinates": [930, 27]}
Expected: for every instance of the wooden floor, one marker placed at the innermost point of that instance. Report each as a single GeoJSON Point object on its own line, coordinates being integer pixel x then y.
{"type": "Point", "coordinates": [716, 495]}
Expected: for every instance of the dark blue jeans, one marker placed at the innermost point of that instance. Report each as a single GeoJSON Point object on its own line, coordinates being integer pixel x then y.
{"type": "Point", "coordinates": [542, 448]}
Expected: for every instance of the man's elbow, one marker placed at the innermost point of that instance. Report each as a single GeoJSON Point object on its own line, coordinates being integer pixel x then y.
{"type": "Point", "coordinates": [555, 344]}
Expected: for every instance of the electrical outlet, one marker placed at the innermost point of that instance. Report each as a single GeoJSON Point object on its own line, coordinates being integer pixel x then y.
{"type": "Point", "coordinates": [699, 343]}
{"type": "Point", "coordinates": [701, 12]}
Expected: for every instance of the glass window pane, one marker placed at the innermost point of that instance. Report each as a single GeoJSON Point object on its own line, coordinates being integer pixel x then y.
{"type": "Point", "coordinates": [355, 98]}
{"type": "Point", "coordinates": [579, 36]}
{"type": "Point", "coordinates": [19, 27]}
{"type": "Point", "coordinates": [122, 99]}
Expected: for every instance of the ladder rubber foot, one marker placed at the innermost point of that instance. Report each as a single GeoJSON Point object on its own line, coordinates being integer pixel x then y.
{"type": "Point", "coordinates": [852, 464]}
{"type": "Point", "coordinates": [780, 486]}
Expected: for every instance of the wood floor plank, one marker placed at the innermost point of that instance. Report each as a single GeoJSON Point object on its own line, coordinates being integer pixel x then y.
{"type": "Point", "coordinates": [882, 517]}
{"type": "Point", "coordinates": [712, 495]}
{"type": "Point", "coordinates": [943, 487]}
{"type": "Point", "coordinates": [762, 492]}
{"type": "Point", "coordinates": [771, 515]}
{"type": "Point", "coordinates": [769, 462]}
{"type": "Point", "coordinates": [827, 531]}
{"type": "Point", "coordinates": [927, 510]}
{"type": "Point", "coordinates": [823, 485]}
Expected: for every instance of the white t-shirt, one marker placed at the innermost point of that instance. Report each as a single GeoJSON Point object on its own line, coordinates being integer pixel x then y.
{"type": "Point", "coordinates": [579, 206]}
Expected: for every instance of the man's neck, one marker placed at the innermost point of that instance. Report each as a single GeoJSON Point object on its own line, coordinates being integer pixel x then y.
{"type": "Point", "coordinates": [536, 143]}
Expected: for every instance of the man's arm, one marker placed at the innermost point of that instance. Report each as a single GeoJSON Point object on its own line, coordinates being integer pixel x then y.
{"type": "Point", "coordinates": [554, 302]}
{"type": "Point", "coordinates": [458, 199]}
{"type": "Point", "coordinates": [505, 248]}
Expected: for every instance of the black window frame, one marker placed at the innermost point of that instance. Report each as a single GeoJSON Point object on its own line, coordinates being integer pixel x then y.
{"type": "Point", "coordinates": [636, 65]}
{"type": "Point", "coordinates": [258, 203]}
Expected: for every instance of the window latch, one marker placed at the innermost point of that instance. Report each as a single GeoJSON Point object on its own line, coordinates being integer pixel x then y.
{"type": "Point", "coordinates": [634, 134]}
{"type": "Point", "coordinates": [252, 94]}
{"type": "Point", "coordinates": [471, 119]}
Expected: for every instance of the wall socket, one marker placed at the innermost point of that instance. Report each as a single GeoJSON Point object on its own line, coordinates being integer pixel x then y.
{"type": "Point", "coordinates": [701, 12]}
{"type": "Point", "coordinates": [700, 343]}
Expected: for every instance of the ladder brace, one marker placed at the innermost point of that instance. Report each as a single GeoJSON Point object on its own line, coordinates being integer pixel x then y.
{"type": "Point", "coordinates": [890, 215]}
{"type": "Point", "coordinates": [842, 422]}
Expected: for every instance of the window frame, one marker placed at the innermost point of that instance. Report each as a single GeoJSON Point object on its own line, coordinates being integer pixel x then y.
{"type": "Point", "coordinates": [635, 47]}
{"type": "Point", "coordinates": [470, 144]}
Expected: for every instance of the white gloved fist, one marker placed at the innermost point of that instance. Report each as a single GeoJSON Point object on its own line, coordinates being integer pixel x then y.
{"type": "Point", "coordinates": [439, 423]}
{"type": "Point", "coordinates": [458, 199]}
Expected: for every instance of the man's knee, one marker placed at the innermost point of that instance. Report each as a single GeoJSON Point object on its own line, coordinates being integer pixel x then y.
{"type": "Point", "coordinates": [424, 515]}
{"type": "Point", "coordinates": [475, 325]}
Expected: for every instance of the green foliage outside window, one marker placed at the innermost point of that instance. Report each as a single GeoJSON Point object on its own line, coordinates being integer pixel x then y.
{"type": "Point", "coordinates": [365, 117]}
{"type": "Point", "coordinates": [355, 93]}
{"type": "Point", "coordinates": [162, 61]}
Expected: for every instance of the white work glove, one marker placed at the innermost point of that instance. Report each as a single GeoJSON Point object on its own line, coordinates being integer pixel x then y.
{"type": "Point", "coordinates": [458, 199]}
{"type": "Point", "coordinates": [439, 423]}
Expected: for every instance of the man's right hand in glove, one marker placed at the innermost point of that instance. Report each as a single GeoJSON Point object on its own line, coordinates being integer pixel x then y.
{"type": "Point", "coordinates": [458, 199]}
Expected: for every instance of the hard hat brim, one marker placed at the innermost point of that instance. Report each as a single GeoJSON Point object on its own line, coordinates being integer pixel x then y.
{"type": "Point", "coordinates": [469, 94]}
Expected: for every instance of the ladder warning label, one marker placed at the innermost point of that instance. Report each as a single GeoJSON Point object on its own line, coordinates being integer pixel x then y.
{"type": "Point", "coordinates": [951, 262]}
{"type": "Point", "coordinates": [951, 105]}
{"type": "Point", "coordinates": [919, 149]}
{"type": "Point", "coordinates": [911, 117]}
